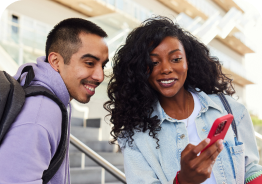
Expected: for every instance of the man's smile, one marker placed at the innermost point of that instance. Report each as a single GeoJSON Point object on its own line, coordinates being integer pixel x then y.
{"type": "Point", "coordinates": [90, 88]}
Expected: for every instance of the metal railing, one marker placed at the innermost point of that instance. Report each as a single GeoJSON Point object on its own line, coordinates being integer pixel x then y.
{"type": "Point", "coordinates": [258, 135]}
{"type": "Point", "coordinates": [104, 163]}
{"type": "Point", "coordinates": [98, 159]}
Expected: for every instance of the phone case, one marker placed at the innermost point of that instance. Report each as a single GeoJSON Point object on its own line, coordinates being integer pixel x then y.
{"type": "Point", "coordinates": [217, 131]}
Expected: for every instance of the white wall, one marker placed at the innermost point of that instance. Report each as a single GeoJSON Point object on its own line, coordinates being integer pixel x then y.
{"type": "Point", "coordinates": [240, 94]}
{"type": "Point", "coordinates": [7, 63]}
{"type": "Point", "coordinates": [45, 11]}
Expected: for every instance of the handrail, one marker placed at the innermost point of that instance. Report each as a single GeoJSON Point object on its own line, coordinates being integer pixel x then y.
{"type": "Point", "coordinates": [104, 163]}
{"type": "Point", "coordinates": [258, 135]}
{"type": "Point", "coordinates": [98, 159]}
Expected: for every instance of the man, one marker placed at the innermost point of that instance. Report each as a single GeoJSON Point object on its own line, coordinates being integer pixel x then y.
{"type": "Point", "coordinates": [76, 54]}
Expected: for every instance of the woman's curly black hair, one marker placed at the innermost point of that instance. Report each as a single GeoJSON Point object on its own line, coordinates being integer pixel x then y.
{"type": "Point", "coordinates": [131, 96]}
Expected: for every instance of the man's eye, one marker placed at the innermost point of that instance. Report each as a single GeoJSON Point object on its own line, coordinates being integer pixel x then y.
{"type": "Point", "coordinates": [90, 63]}
{"type": "Point", "coordinates": [103, 67]}
{"type": "Point", "coordinates": [176, 59]}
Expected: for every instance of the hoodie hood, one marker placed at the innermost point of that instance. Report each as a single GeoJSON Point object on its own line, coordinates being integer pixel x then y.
{"type": "Point", "coordinates": [46, 76]}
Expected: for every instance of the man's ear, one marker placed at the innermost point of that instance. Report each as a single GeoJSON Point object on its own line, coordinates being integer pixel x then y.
{"type": "Point", "coordinates": [55, 60]}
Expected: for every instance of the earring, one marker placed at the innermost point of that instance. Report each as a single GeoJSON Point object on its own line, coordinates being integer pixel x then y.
{"type": "Point", "coordinates": [58, 71]}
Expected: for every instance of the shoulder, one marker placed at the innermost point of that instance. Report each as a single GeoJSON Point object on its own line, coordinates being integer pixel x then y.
{"type": "Point", "coordinates": [42, 111]}
{"type": "Point", "coordinates": [139, 139]}
{"type": "Point", "coordinates": [238, 109]}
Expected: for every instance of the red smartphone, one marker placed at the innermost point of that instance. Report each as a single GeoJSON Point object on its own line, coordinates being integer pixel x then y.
{"type": "Point", "coordinates": [219, 129]}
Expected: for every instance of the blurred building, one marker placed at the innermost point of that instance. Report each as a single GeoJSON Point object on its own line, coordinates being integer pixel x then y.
{"type": "Point", "coordinates": [220, 24]}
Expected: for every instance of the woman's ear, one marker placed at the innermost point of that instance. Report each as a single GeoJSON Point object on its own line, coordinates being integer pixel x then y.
{"type": "Point", "coordinates": [55, 60]}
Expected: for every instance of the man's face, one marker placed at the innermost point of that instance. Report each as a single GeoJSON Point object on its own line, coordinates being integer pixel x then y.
{"type": "Point", "coordinates": [85, 69]}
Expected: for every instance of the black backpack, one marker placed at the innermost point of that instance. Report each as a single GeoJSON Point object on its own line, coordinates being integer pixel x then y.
{"type": "Point", "coordinates": [12, 98]}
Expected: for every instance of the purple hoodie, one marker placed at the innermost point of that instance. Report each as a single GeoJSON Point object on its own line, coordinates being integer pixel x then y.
{"type": "Point", "coordinates": [32, 140]}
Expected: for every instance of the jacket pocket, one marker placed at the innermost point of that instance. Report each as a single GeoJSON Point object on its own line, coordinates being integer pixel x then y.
{"type": "Point", "coordinates": [236, 154]}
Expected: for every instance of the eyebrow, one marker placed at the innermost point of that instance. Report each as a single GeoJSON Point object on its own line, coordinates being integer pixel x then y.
{"type": "Point", "coordinates": [90, 56]}
{"type": "Point", "coordinates": [105, 62]}
{"type": "Point", "coordinates": [171, 52]}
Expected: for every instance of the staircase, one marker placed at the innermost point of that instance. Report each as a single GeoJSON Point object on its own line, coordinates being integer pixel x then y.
{"type": "Point", "coordinates": [83, 170]}
{"type": "Point", "coordinates": [215, 25]}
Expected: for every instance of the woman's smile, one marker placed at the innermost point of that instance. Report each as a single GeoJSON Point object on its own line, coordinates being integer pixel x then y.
{"type": "Point", "coordinates": [166, 83]}
{"type": "Point", "coordinates": [170, 67]}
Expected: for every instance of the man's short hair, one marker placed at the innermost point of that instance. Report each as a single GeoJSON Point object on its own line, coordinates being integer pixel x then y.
{"type": "Point", "coordinates": [64, 37]}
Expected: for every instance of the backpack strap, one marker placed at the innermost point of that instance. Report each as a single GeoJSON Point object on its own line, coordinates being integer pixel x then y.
{"type": "Point", "coordinates": [229, 111]}
{"type": "Point", "coordinates": [29, 77]}
{"type": "Point", "coordinates": [12, 98]}
{"type": "Point", "coordinates": [58, 158]}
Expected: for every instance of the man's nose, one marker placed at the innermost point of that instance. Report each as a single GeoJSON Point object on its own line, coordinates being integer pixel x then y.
{"type": "Point", "coordinates": [98, 74]}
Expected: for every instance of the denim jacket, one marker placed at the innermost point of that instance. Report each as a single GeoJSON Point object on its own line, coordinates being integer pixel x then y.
{"type": "Point", "coordinates": [144, 164]}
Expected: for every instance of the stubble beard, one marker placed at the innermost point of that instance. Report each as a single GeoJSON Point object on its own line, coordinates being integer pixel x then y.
{"type": "Point", "coordinates": [88, 97]}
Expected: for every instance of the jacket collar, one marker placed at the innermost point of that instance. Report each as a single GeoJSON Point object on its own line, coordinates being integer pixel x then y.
{"type": "Point", "coordinates": [205, 100]}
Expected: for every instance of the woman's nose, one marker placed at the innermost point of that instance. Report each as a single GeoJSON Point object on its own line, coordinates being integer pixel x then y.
{"type": "Point", "coordinates": [166, 67]}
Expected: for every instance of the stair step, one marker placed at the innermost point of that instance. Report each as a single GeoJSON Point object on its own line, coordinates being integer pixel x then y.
{"type": "Point", "coordinates": [85, 134]}
{"type": "Point", "coordinates": [91, 175]}
{"type": "Point", "coordinates": [105, 183]}
{"type": "Point", "coordinates": [113, 158]}
{"type": "Point", "coordinates": [95, 123]}
{"type": "Point", "coordinates": [97, 146]}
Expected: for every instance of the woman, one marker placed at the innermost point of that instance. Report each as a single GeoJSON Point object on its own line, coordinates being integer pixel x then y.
{"type": "Point", "coordinates": [163, 101]}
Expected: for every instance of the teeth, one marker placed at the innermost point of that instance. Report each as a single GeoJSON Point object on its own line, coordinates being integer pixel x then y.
{"type": "Point", "coordinates": [90, 88]}
{"type": "Point", "coordinates": [167, 82]}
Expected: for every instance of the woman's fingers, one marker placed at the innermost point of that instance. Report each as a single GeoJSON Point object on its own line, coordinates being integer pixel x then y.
{"type": "Point", "coordinates": [211, 152]}
{"type": "Point", "coordinates": [201, 146]}
{"type": "Point", "coordinates": [199, 168]}
{"type": "Point", "coordinates": [205, 161]}
{"type": "Point", "coordinates": [206, 166]}
{"type": "Point", "coordinates": [191, 151]}
{"type": "Point", "coordinates": [215, 149]}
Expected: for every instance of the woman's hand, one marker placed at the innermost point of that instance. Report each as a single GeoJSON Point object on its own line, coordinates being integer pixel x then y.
{"type": "Point", "coordinates": [196, 169]}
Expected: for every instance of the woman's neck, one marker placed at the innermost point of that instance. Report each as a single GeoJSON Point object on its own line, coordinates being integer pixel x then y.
{"type": "Point", "coordinates": [179, 106]}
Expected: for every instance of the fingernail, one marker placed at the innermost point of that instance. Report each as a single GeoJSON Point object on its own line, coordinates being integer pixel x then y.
{"type": "Point", "coordinates": [207, 140]}
{"type": "Point", "coordinates": [220, 143]}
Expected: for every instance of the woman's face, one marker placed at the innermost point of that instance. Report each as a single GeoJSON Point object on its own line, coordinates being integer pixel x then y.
{"type": "Point", "coordinates": [170, 67]}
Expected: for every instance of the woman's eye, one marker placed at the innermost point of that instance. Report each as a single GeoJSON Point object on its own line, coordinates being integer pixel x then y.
{"type": "Point", "coordinates": [176, 59]}
{"type": "Point", "coordinates": [155, 63]}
